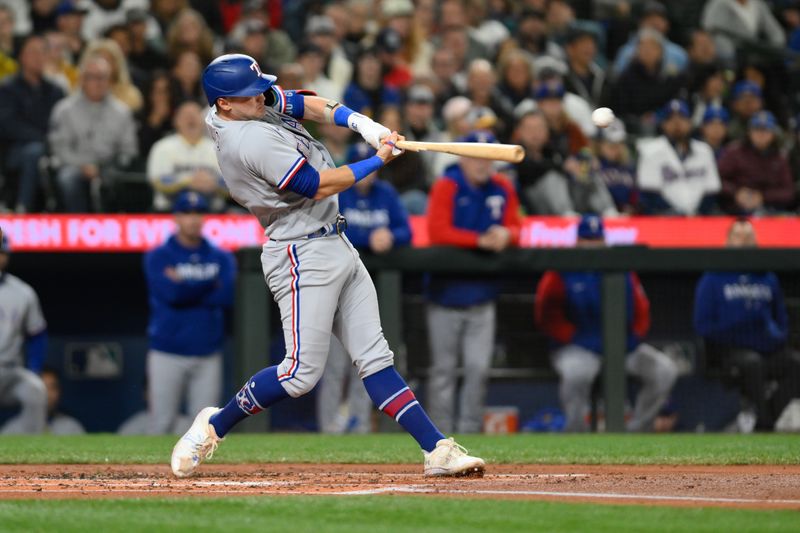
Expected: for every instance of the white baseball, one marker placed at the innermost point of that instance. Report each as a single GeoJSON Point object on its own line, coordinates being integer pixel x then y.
{"type": "Point", "coordinates": [602, 117]}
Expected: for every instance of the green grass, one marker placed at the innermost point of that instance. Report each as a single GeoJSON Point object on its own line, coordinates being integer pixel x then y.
{"type": "Point", "coordinates": [399, 448]}
{"type": "Point", "coordinates": [384, 513]}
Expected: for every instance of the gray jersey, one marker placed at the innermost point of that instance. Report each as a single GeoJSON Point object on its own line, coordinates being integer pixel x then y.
{"type": "Point", "coordinates": [258, 159]}
{"type": "Point", "coordinates": [20, 316]}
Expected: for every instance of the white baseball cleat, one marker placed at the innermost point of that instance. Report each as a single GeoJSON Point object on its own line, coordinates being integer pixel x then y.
{"type": "Point", "coordinates": [196, 445]}
{"type": "Point", "coordinates": [450, 459]}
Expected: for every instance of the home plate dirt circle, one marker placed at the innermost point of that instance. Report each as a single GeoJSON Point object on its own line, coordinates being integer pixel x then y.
{"type": "Point", "coordinates": [727, 486]}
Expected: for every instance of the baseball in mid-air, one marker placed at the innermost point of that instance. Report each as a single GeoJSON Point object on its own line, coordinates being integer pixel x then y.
{"type": "Point", "coordinates": [602, 117]}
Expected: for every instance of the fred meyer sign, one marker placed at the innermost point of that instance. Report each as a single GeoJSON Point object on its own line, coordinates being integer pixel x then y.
{"type": "Point", "coordinates": [135, 233]}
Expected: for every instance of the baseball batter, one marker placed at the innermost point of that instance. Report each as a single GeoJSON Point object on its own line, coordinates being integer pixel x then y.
{"type": "Point", "coordinates": [22, 331]}
{"type": "Point", "coordinates": [288, 180]}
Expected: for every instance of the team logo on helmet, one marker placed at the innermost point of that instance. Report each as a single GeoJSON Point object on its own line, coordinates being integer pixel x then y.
{"type": "Point", "coordinates": [255, 68]}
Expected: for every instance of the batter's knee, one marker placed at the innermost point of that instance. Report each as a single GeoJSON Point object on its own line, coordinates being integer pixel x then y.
{"type": "Point", "coordinates": [367, 367]}
{"type": "Point", "coordinates": [303, 380]}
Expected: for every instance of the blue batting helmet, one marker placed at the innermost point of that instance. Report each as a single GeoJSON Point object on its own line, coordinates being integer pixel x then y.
{"type": "Point", "coordinates": [234, 75]}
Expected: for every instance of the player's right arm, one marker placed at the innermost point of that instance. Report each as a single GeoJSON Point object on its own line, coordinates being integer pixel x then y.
{"type": "Point", "coordinates": [279, 161]}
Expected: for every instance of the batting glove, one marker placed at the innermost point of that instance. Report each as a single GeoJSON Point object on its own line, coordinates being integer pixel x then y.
{"type": "Point", "coordinates": [371, 131]}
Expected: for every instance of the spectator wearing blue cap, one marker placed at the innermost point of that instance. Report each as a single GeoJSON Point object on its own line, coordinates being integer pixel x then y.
{"type": "Point", "coordinates": [747, 99]}
{"type": "Point", "coordinates": [714, 128]}
{"type": "Point", "coordinates": [376, 223]}
{"type": "Point", "coordinates": [755, 174]}
{"type": "Point", "coordinates": [471, 207]}
{"type": "Point", "coordinates": [646, 84]}
{"type": "Point", "coordinates": [191, 284]}
{"type": "Point", "coordinates": [677, 174]}
{"type": "Point", "coordinates": [568, 311]}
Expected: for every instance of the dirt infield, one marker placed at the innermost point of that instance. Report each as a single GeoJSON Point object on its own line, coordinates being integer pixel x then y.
{"type": "Point", "coordinates": [759, 487]}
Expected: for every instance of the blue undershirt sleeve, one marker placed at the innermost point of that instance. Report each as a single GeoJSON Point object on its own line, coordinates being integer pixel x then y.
{"type": "Point", "coordinates": [36, 350]}
{"type": "Point", "coordinates": [305, 181]}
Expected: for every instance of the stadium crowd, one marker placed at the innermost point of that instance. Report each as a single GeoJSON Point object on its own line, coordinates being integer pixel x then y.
{"type": "Point", "coordinates": [102, 105]}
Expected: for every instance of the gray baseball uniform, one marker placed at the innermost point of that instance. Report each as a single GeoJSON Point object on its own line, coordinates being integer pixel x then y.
{"type": "Point", "coordinates": [20, 316]}
{"type": "Point", "coordinates": [312, 270]}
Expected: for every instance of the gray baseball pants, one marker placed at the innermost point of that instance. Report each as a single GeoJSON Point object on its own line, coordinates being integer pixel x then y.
{"type": "Point", "coordinates": [20, 386]}
{"type": "Point", "coordinates": [455, 332]}
{"type": "Point", "coordinates": [578, 368]}
{"type": "Point", "coordinates": [340, 384]}
{"type": "Point", "coordinates": [172, 377]}
{"type": "Point", "coordinates": [322, 288]}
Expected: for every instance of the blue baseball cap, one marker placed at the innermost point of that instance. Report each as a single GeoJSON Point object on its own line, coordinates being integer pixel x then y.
{"type": "Point", "coordinates": [674, 106]}
{"type": "Point", "coordinates": [70, 7]}
{"type": "Point", "coordinates": [550, 89]}
{"type": "Point", "coordinates": [359, 151]}
{"type": "Point", "coordinates": [763, 120]}
{"type": "Point", "coordinates": [716, 112]}
{"type": "Point", "coordinates": [591, 227]}
{"type": "Point", "coordinates": [478, 136]}
{"type": "Point", "coordinates": [746, 87]}
{"type": "Point", "coordinates": [190, 202]}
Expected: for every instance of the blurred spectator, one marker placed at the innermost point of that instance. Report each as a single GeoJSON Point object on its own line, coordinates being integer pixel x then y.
{"type": "Point", "coordinates": [22, 19]}
{"type": "Point", "coordinates": [415, 49]}
{"type": "Point", "coordinates": [69, 21]}
{"type": "Point", "coordinates": [191, 283]}
{"type": "Point", "coordinates": [102, 14]}
{"type": "Point", "coordinates": [121, 86]}
{"type": "Point", "coordinates": [585, 77]}
{"type": "Point", "coordinates": [702, 57]}
{"type": "Point", "coordinates": [320, 30]}
{"type": "Point", "coordinates": [164, 13]}
{"type": "Point", "coordinates": [26, 101]}
{"type": "Point", "coordinates": [144, 55]}
{"type": "Point", "coordinates": [8, 43]}
{"type": "Point", "coordinates": [251, 40]}
{"type": "Point", "coordinates": [57, 423]}
{"type": "Point", "coordinates": [58, 67]}
{"type": "Point", "coordinates": [714, 129]}
{"type": "Point", "coordinates": [366, 94]}
{"type": "Point", "coordinates": [735, 23]}
{"type": "Point", "coordinates": [568, 310]}
{"type": "Point", "coordinates": [277, 46]}
{"type": "Point", "coordinates": [655, 21]}
{"type": "Point", "coordinates": [188, 31]}
{"type": "Point", "coordinates": [311, 58]}
{"type": "Point", "coordinates": [491, 33]}
{"type": "Point", "coordinates": [120, 34]}
{"type": "Point", "coordinates": [91, 133]}
{"type": "Point", "coordinates": [456, 34]}
{"type": "Point", "coordinates": [470, 207]}
{"type": "Point", "coordinates": [541, 179]}
{"type": "Point", "coordinates": [483, 92]}
{"type": "Point", "coordinates": [755, 174]}
{"type": "Point", "coordinates": [742, 318]}
{"type": "Point", "coordinates": [677, 174]}
{"type": "Point", "coordinates": [551, 72]}
{"type": "Point", "coordinates": [186, 160]}
{"type": "Point", "coordinates": [445, 71]}
{"type": "Point", "coordinates": [531, 35]}
{"type": "Point", "coordinates": [140, 423]}
{"type": "Point", "coordinates": [647, 83]}
{"type": "Point", "coordinates": [566, 137]}
{"type": "Point", "coordinates": [616, 167]}
{"type": "Point", "coordinates": [712, 87]}
{"type": "Point", "coordinates": [292, 76]}
{"type": "Point", "coordinates": [420, 125]}
{"type": "Point", "coordinates": [23, 347]}
{"type": "Point", "coordinates": [360, 24]}
{"type": "Point", "coordinates": [746, 101]}
{"type": "Point", "coordinates": [155, 118]}
{"type": "Point", "coordinates": [396, 72]}
{"type": "Point", "coordinates": [516, 76]}
{"type": "Point", "coordinates": [186, 74]}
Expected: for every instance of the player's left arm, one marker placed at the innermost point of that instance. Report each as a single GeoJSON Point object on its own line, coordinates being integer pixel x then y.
{"type": "Point", "coordinates": [327, 111]}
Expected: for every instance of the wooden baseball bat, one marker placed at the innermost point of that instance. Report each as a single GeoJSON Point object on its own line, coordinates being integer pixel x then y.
{"type": "Point", "coordinates": [512, 153]}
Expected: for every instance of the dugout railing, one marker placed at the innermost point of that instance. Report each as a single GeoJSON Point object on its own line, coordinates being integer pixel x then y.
{"type": "Point", "coordinates": [254, 306]}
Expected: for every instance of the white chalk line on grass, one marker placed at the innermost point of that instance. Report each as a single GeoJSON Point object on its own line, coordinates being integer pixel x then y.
{"type": "Point", "coordinates": [416, 489]}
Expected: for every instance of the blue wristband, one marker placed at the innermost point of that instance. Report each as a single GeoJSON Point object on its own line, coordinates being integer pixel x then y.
{"type": "Point", "coordinates": [340, 116]}
{"type": "Point", "coordinates": [362, 169]}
